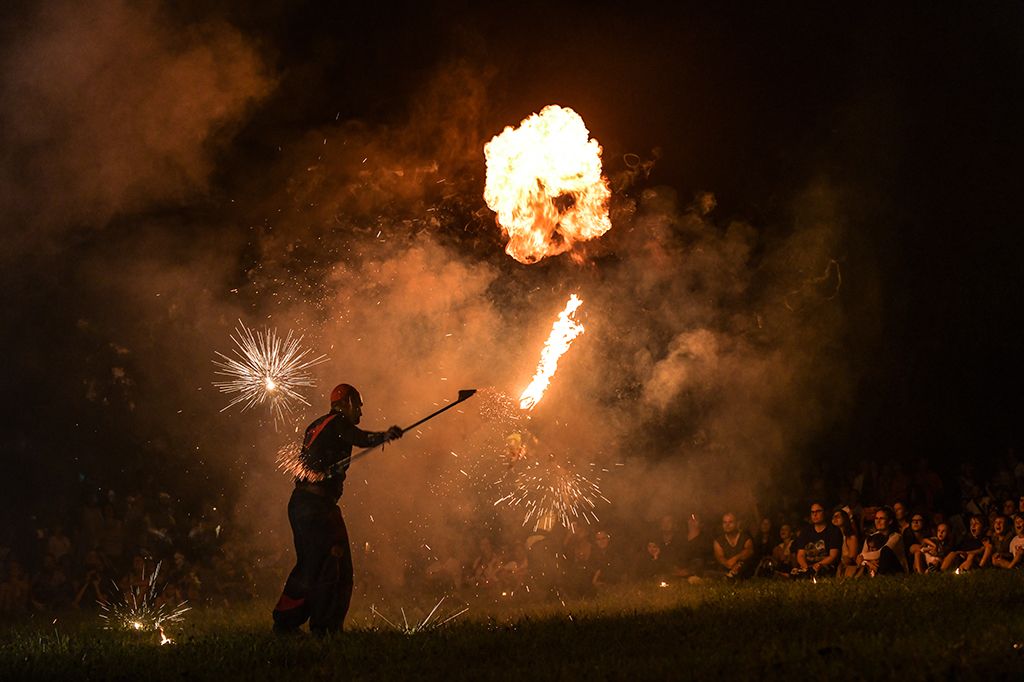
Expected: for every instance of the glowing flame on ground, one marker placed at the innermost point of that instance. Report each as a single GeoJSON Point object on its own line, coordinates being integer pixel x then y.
{"type": "Point", "coordinates": [266, 369]}
{"type": "Point", "coordinates": [544, 183]}
{"type": "Point", "coordinates": [563, 333]}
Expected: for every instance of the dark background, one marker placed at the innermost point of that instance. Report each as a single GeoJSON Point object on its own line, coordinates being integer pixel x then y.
{"type": "Point", "coordinates": [914, 113]}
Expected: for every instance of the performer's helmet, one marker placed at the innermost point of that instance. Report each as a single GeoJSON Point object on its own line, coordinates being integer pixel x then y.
{"type": "Point", "coordinates": [345, 392]}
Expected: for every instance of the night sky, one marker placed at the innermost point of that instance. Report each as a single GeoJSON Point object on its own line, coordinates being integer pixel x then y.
{"type": "Point", "coordinates": [910, 118]}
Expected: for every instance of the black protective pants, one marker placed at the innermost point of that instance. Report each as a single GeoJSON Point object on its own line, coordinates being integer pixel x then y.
{"type": "Point", "coordinates": [319, 588]}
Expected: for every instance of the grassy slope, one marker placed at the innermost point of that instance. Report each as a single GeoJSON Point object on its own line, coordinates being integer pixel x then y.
{"type": "Point", "coordinates": [963, 627]}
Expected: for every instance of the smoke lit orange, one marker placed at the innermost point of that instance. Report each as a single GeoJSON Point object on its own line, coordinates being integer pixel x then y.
{"type": "Point", "coordinates": [563, 333]}
{"type": "Point", "coordinates": [544, 183]}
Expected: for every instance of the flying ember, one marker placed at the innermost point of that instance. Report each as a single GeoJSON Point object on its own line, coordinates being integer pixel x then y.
{"type": "Point", "coordinates": [266, 369]}
{"type": "Point", "coordinates": [544, 183]}
{"type": "Point", "coordinates": [563, 332]}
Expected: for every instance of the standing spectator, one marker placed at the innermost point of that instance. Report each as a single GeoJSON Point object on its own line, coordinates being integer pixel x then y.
{"type": "Point", "coordinates": [818, 545]}
{"type": "Point", "coordinates": [734, 549]}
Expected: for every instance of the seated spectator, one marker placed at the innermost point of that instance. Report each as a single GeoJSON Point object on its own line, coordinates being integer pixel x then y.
{"type": "Point", "coordinates": [91, 522]}
{"type": "Point", "coordinates": [847, 564]}
{"type": "Point", "coordinates": [484, 570]}
{"type": "Point", "coordinates": [58, 545]}
{"type": "Point", "coordinates": [650, 564]}
{"type": "Point", "coordinates": [672, 545]}
{"type": "Point", "coordinates": [1016, 546]}
{"type": "Point", "coordinates": [734, 549]}
{"type": "Point", "coordinates": [513, 573]}
{"type": "Point", "coordinates": [95, 586]}
{"type": "Point", "coordinates": [999, 543]}
{"type": "Point", "coordinates": [882, 552]}
{"type": "Point", "coordinates": [782, 554]}
{"type": "Point", "coordinates": [580, 571]}
{"type": "Point", "coordinates": [112, 536]}
{"type": "Point", "coordinates": [135, 532]}
{"type": "Point", "coordinates": [913, 537]}
{"type": "Point", "coordinates": [935, 549]}
{"type": "Point", "coordinates": [136, 581]}
{"type": "Point", "coordinates": [15, 590]}
{"type": "Point", "coordinates": [607, 561]}
{"type": "Point", "coordinates": [764, 539]}
{"type": "Point", "coordinates": [818, 545]}
{"type": "Point", "coordinates": [970, 550]}
{"type": "Point", "coordinates": [51, 588]}
{"type": "Point", "coordinates": [902, 520]}
{"type": "Point", "coordinates": [697, 551]}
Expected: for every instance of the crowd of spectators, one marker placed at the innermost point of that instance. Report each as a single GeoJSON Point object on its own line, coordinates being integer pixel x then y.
{"type": "Point", "coordinates": [910, 524]}
{"type": "Point", "coordinates": [114, 550]}
{"type": "Point", "coordinates": [881, 521]}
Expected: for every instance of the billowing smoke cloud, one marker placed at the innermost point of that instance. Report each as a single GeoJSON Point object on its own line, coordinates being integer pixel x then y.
{"type": "Point", "coordinates": [708, 361]}
{"type": "Point", "coordinates": [113, 107]}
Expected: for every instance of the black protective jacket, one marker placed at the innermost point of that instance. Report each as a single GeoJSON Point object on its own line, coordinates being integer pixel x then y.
{"type": "Point", "coordinates": [328, 442]}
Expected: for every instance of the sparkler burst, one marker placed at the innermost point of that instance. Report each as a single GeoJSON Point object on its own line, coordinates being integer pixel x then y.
{"type": "Point", "coordinates": [138, 611]}
{"type": "Point", "coordinates": [551, 492]}
{"type": "Point", "coordinates": [563, 333]}
{"type": "Point", "coordinates": [266, 369]}
{"type": "Point", "coordinates": [290, 463]}
{"type": "Point", "coordinates": [431, 621]}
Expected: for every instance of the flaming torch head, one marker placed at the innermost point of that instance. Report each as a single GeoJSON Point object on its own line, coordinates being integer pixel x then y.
{"type": "Point", "coordinates": [544, 183]}
{"type": "Point", "coordinates": [563, 332]}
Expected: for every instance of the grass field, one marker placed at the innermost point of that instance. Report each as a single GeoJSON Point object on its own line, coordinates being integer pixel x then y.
{"type": "Point", "coordinates": [936, 627]}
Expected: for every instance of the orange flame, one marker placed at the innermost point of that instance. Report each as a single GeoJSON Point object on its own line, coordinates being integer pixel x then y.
{"type": "Point", "coordinates": [544, 183]}
{"type": "Point", "coordinates": [563, 333]}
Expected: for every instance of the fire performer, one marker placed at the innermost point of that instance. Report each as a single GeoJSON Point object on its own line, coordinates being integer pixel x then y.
{"type": "Point", "coordinates": [319, 588]}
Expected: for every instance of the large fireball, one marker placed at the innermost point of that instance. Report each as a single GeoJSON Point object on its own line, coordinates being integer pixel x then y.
{"type": "Point", "coordinates": [544, 182]}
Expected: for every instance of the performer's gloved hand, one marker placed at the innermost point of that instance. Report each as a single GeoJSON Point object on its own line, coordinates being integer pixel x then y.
{"type": "Point", "coordinates": [394, 433]}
